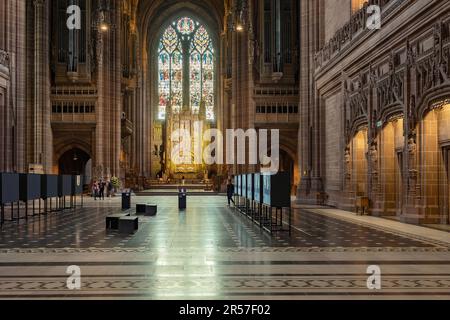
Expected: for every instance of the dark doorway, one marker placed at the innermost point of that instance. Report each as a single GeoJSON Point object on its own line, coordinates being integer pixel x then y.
{"type": "Point", "coordinates": [73, 162]}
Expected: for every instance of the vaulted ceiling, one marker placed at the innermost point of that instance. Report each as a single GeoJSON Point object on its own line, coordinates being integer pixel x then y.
{"type": "Point", "coordinates": [153, 14]}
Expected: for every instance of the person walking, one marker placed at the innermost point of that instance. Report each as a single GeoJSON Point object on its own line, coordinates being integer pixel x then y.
{"type": "Point", "coordinates": [230, 192]}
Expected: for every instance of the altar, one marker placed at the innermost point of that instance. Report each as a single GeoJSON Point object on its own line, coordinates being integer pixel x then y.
{"type": "Point", "coordinates": [191, 165]}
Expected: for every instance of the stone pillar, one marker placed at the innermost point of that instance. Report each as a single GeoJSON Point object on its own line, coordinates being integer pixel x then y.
{"type": "Point", "coordinates": [310, 116]}
{"type": "Point", "coordinates": [235, 76]}
{"type": "Point", "coordinates": [40, 88]}
{"type": "Point", "coordinates": [117, 101]}
{"type": "Point", "coordinates": [99, 132]}
{"type": "Point", "coordinates": [11, 57]}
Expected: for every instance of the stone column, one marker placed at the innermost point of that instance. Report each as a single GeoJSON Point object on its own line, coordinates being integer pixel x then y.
{"type": "Point", "coordinates": [235, 76]}
{"type": "Point", "coordinates": [311, 107]}
{"type": "Point", "coordinates": [117, 101]}
{"type": "Point", "coordinates": [99, 132]}
{"type": "Point", "coordinates": [42, 141]}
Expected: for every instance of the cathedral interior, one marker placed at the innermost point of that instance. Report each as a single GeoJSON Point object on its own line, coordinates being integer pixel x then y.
{"type": "Point", "coordinates": [363, 117]}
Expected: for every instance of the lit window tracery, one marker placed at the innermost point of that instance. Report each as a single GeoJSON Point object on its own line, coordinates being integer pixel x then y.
{"type": "Point", "coordinates": [186, 41]}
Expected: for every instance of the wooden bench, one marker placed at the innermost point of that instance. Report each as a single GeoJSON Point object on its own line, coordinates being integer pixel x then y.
{"type": "Point", "coordinates": [147, 209]}
{"type": "Point", "coordinates": [128, 224]}
{"type": "Point", "coordinates": [112, 221]}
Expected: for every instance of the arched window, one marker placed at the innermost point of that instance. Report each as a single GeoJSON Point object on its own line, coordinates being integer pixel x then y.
{"type": "Point", "coordinates": [186, 64]}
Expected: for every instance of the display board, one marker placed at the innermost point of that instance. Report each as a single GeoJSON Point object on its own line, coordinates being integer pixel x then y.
{"type": "Point", "coordinates": [238, 186]}
{"type": "Point", "coordinates": [49, 186]}
{"type": "Point", "coordinates": [250, 194]}
{"type": "Point", "coordinates": [257, 187]}
{"type": "Point", "coordinates": [64, 185]}
{"type": "Point", "coordinates": [30, 186]}
{"type": "Point", "coordinates": [77, 185]}
{"type": "Point", "coordinates": [244, 186]}
{"type": "Point", "coordinates": [277, 190]}
{"type": "Point", "coordinates": [9, 188]}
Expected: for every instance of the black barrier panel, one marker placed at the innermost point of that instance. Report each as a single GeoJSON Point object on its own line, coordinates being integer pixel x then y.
{"type": "Point", "coordinates": [77, 185]}
{"type": "Point", "coordinates": [126, 201]}
{"type": "Point", "coordinates": [277, 190]}
{"type": "Point", "coordinates": [236, 183]}
{"type": "Point", "coordinates": [64, 185]}
{"type": "Point", "coordinates": [244, 186]}
{"type": "Point", "coordinates": [238, 186]}
{"type": "Point", "coordinates": [49, 186]}
{"type": "Point", "coordinates": [182, 195]}
{"type": "Point", "coordinates": [30, 186]}
{"type": "Point", "coordinates": [257, 190]}
{"type": "Point", "coordinates": [9, 188]}
{"type": "Point", "coordinates": [250, 194]}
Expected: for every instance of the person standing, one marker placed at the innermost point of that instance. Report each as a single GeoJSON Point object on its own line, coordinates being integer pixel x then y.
{"type": "Point", "coordinates": [230, 192]}
{"type": "Point", "coordinates": [102, 190]}
{"type": "Point", "coordinates": [95, 190]}
{"type": "Point", "coordinates": [109, 189]}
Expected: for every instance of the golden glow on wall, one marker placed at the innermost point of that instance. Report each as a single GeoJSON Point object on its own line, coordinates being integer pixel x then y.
{"type": "Point", "coordinates": [357, 4]}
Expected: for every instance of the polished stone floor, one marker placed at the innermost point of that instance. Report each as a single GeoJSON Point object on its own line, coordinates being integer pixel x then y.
{"type": "Point", "coordinates": [213, 252]}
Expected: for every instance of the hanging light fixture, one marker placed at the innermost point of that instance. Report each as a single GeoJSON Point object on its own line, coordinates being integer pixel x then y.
{"type": "Point", "coordinates": [103, 24]}
{"type": "Point", "coordinates": [103, 21]}
{"type": "Point", "coordinates": [75, 156]}
{"type": "Point", "coordinates": [240, 15]}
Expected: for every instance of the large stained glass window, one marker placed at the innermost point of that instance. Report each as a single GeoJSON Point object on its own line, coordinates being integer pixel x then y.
{"type": "Point", "coordinates": [186, 45]}
{"type": "Point", "coordinates": [170, 72]}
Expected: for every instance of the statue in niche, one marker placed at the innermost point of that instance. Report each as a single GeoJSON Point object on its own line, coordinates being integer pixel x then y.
{"type": "Point", "coordinates": [412, 114]}
{"type": "Point", "coordinates": [392, 63]}
{"type": "Point", "coordinates": [373, 132]}
{"type": "Point", "coordinates": [348, 163]}
{"type": "Point", "coordinates": [412, 152]}
{"type": "Point", "coordinates": [373, 78]}
{"type": "Point", "coordinates": [410, 55]}
{"type": "Point", "coordinates": [373, 156]}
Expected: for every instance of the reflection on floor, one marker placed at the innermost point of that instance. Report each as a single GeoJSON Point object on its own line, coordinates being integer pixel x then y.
{"type": "Point", "coordinates": [213, 252]}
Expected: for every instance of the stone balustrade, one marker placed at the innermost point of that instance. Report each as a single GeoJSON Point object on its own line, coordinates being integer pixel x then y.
{"type": "Point", "coordinates": [357, 26]}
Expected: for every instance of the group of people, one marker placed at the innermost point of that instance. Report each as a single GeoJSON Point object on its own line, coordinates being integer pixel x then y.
{"type": "Point", "coordinates": [99, 188]}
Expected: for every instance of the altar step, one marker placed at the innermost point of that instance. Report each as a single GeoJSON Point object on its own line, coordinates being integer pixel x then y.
{"type": "Point", "coordinates": [174, 192]}
{"type": "Point", "coordinates": [162, 186]}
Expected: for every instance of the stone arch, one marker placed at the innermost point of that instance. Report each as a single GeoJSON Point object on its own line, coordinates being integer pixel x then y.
{"type": "Point", "coordinates": [359, 161]}
{"type": "Point", "coordinates": [431, 98]}
{"type": "Point", "coordinates": [287, 149]}
{"type": "Point", "coordinates": [153, 17]}
{"type": "Point", "coordinates": [393, 111]}
{"type": "Point", "coordinates": [433, 145]}
{"type": "Point", "coordinates": [64, 146]}
{"type": "Point", "coordinates": [388, 191]}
